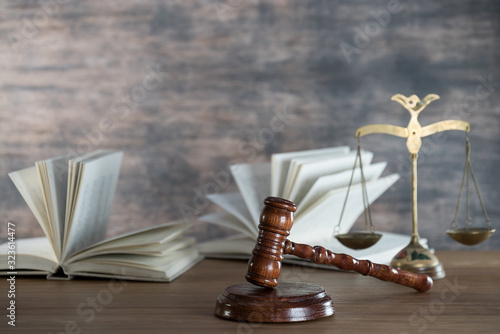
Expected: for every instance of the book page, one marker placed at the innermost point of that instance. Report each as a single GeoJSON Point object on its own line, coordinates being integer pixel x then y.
{"type": "Point", "coordinates": [280, 163]}
{"type": "Point", "coordinates": [74, 176]}
{"type": "Point", "coordinates": [92, 202]}
{"type": "Point", "coordinates": [235, 205]}
{"type": "Point", "coordinates": [129, 242]}
{"type": "Point", "coordinates": [158, 249]}
{"type": "Point", "coordinates": [54, 176]}
{"type": "Point", "coordinates": [27, 182]}
{"type": "Point", "coordinates": [297, 162]}
{"type": "Point", "coordinates": [309, 172]}
{"type": "Point", "coordinates": [161, 249]}
{"type": "Point", "coordinates": [137, 267]}
{"type": "Point", "coordinates": [296, 166]}
{"type": "Point", "coordinates": [228, 247]}
{"type": "Point", "coordinates": [31, 254]}
{"type": "Point", "coordinates": [291, 175]}
{"type": "Point", "coordinates": [326, 183]}
{"type": "Point", "coordinates": [144, 237]}
{"type": "Point", "coordinates": [227, 220]}
{"type": "Point", "coordinates": [253, 182]}
{"type": "Point", "coordinates": [72, 166]}
{"type": "Point", "coordinates": [324, 215]}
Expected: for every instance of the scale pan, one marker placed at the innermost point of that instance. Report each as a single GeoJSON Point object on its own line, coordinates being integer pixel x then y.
{"type": "Point", "coordinates": [358, 240]}
{"type": "Point", "coordinates": [470, 236]}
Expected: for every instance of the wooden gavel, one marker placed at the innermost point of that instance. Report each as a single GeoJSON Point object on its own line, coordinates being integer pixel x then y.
{"type": "Point", "coordinates": [276, 220]}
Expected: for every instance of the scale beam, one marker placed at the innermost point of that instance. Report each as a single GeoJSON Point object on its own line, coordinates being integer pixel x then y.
{"type": "Point", "coordinates": [399, 131]}
{"type": "Point", "coordinates": [414, 132]}
{"type": "Point", "coordinates": [387, 129]}
{"type": "Point", "coordinates": [445, 126]}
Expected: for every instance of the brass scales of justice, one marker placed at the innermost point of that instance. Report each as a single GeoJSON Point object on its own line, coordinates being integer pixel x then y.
{"type": "Point", "coordinates": [415, 257]}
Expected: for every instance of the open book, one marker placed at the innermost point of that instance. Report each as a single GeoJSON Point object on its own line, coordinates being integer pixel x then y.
{"type": "Point", "coordinates": [317, 182]}
{"type": "Point", "coordinates": [71, 199]}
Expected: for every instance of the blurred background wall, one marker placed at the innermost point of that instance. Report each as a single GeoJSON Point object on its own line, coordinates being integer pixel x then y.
{"type": "Point", "coordinates": [186, 87]}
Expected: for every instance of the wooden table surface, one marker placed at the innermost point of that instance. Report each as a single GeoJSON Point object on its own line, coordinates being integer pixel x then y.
{"type": "Point", "coordinates": [466, 301]}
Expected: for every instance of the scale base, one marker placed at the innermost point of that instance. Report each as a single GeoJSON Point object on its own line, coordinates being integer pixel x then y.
{"type": "Point", "coordinates": [418, 259]}
{"type": "Point", "coordinates": [288, 302]}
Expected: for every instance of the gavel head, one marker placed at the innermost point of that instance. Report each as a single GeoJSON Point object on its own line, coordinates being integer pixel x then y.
{"type": "Point", "coordinates": [276, 220]}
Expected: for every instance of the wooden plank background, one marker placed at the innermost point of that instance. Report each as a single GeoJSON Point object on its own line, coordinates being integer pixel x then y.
{"type": "Point", "coordinates": [187, 87]}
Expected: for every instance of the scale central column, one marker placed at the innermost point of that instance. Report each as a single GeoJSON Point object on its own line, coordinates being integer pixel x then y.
{"type": "Point", "coordinates": [414, 211]}
{"type": "Point", "coordinates": [415, 257]}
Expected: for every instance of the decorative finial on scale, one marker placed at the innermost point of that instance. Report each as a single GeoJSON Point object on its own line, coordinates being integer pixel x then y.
{"type": "Point", "coordinates": [413, 103]}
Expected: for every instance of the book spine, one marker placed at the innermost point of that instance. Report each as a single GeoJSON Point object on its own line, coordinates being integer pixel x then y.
{"type": "Point", "coordinates": [59, 274]}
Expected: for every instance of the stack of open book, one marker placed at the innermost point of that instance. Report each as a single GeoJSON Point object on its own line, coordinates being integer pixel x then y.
{"type": "Point", "coordinates": [317, 182]}
{"type": "Point", "coordinates": [72, 199]}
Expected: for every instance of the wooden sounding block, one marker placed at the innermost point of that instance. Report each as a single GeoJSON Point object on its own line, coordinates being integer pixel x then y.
{"type": "Point", "coordinates": [265, 301]}
{"type": "Point", "coordinates": [288, 302]}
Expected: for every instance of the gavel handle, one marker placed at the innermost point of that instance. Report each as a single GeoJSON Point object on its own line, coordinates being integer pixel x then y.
{"type": "Point", "coordinates": [320, 255]}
